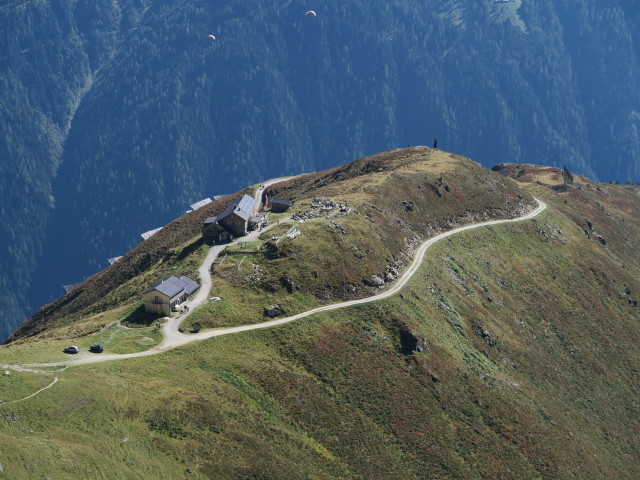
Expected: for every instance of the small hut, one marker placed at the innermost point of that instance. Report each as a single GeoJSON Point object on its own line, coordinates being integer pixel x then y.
{"type": "Point", "coordinates": [279, 205]}
{"type": "Point", "coordinates": [163, 297]}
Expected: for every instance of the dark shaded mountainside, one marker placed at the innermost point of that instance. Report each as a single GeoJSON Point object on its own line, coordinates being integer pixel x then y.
{"type": "Point", "coordinates": [511, 354]}
{"type": "Point", "coordinates": [117, 116]}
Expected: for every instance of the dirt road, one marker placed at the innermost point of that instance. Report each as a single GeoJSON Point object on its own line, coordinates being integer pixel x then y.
{"type": "Point", "coordinates": [173, 338]}
{"type": "Point", "coordinates": [171, 335]}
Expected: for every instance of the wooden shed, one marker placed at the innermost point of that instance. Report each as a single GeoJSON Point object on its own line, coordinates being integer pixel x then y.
{"type": "Point", "coordinates": [279, 205]}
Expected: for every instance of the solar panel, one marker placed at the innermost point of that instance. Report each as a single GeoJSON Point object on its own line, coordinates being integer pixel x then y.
{"type": "Point", "coordinates": [246, 204]}
{"type": "Point", "coordinates": [201, 203]}
{"type": "Point", "coordinates": [146, 235]}
{"type": "Point", "coordinates": [72, 287]}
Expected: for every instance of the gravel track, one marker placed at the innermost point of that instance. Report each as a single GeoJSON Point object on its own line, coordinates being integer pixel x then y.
{"type": "Point", "coordinates": [173, 338]}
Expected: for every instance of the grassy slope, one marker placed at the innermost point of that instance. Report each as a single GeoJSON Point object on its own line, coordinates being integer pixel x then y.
{"type": "Point", "coordinates": [381, 230]}
{"type": "Point", "coordinates": [175, 250]}
{"type": "Point", "coordinates": [346, 395]}
{"type": "Point", "coordinates": [336, 255]}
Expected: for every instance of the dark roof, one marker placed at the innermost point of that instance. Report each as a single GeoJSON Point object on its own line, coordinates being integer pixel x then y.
{"type": "Point", "coordinates": [282, 201]}
{"type": "Point", "coordinates": [174, 285]}
{"type": "Point", "coordinates": [190, 285]}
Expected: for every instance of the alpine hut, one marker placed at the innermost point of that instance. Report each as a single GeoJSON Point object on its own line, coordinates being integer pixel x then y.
{"type": "Point", "coordinates": [234, 221]}
{"type": "Point", "coordinates": [163, 297]}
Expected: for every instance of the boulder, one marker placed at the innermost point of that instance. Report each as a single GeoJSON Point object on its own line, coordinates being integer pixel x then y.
{"type": "Point", "coordinates": [484, 334]}
{"type": "Point", "coordinates": [272, 311]}
{"type": "Point", "coordinates": [289, 283]}
{"type": "Point", "coordinates": [411, 343]}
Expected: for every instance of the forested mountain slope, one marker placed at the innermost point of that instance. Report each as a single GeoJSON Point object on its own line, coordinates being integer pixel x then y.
{"type": "Point", "coordinates": [141, 114]}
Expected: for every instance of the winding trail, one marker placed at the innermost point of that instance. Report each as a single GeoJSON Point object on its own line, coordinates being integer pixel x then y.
{"type": "Point", "coordinates": [171, 334]}
{"type": "Point", "coordinates": [173, 338]}
{"type": "Point", "coordinates": [32, 395]}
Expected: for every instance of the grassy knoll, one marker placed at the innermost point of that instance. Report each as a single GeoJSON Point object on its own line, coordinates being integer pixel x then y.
{"type": "Point", "coordinates": [396, 202]}
{"type": "Point", "coordinates": [116, 338]}
{"type": "Point", "coordinates": [121, 339]}
{"type": "Point", "coordinates": [85, 325]}
{"type": "Point", "coordinates": [176, 250]}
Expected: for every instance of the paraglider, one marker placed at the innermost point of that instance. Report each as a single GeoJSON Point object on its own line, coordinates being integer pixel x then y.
{"type": "Point", "coordinates": [212, 37]}
{"type": "Point", "coordinates": [311, 12]}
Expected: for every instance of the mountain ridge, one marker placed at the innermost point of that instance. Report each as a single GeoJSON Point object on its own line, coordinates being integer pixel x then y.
{"type": "Point", "coordinates": [173, 116]}
{"type": "Point", "coordinates": [510, 354]}
{"type": "Point", "coordinates": [186, 228]}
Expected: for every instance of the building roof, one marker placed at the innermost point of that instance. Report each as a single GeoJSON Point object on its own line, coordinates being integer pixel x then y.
{"type": "Point", "coordinates": [241, 206]}
{"type": "Point", "coordinates": [246, 204]}
{"type": "Point", "coordinates": [190, 285]}
{"type": "Point", "coordinates": [282, 201]}
{"type": "Point", "coordinates": [172, 286]}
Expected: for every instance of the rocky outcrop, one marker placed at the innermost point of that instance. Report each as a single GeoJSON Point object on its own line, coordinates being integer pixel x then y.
{"type": "Point", "coordinates": [410, 343]}
{"type": "Point", "coordinates": [485, 335]}
{"type": "Point", "coordinates": [391, 272]}
{"type": "Point", "coordinates": [289, 283]}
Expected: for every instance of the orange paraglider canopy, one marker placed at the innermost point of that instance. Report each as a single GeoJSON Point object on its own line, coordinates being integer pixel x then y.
{"type": "Point", "coordinates": [311, 12]}
{"type": "Point", "coordinates": [211, 36]}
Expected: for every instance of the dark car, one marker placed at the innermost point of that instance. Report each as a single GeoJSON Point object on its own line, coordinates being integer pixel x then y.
{"type": "Point", "coordinates": [71, 349]}
{"type": "Point", "coordinates": [96, 348]}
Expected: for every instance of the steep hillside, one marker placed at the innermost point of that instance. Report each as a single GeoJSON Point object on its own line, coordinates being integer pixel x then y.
{"type": "Point", "coordinates": [511, 354]}
{"type": "Point", "coordinates": [379, 232]}
{"type": "Point", "coordinates": [139, 113]}
{"type": "Point", "coordinates": [50, 56]}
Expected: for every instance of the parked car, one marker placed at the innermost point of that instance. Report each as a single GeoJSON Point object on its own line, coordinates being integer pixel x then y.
{"type": "Point", "coordinates": [71, 349]}
{"type": "Point", "coordinates": [96, 348]}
